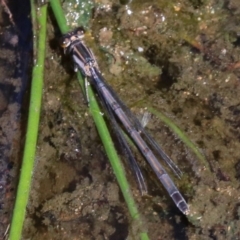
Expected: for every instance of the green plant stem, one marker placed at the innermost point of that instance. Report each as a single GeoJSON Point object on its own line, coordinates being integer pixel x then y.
{"type": "Point", "coordinates": [105, 136]}
{"type": "Point", "coordinates": [59, 15]}
{"type": "Point", "coordinates": [32, 130]}
{"type": "Point", "coordinates": [180, 134]}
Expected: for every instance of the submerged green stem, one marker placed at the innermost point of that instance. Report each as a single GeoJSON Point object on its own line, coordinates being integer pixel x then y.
{"type": "Point", "coordinates": [32, 127]}
{"type": "Point", "coordinates": [105, 137]}
{"type": "Point", "coordinates": [181, 135]}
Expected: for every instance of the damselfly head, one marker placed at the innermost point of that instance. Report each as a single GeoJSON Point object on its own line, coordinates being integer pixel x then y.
{"type": "Point", "coordinates": [66, 40]}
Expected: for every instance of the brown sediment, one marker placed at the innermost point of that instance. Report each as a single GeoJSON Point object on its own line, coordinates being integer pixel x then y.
{"type": "Point", "coordinates": [201, 98]}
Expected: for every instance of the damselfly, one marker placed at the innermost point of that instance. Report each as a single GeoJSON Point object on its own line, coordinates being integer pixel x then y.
{"type": "Point", "coordinates": [85, 61]}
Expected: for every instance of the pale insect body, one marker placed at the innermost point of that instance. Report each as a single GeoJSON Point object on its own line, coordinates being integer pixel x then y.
{"type": "Point", "coordinates": [84, 60]}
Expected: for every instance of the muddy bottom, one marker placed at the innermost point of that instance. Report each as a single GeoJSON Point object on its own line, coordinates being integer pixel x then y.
{"type": "Point", "coordinates": [180, 58]}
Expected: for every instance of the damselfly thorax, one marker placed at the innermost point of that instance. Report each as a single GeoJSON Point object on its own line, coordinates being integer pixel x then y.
{"type": "Point", "coordinates": [82, 56]}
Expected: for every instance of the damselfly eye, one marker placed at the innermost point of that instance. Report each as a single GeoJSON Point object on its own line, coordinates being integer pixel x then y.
{"type": "Point", "coordinates": [65, 42]}
{"type": "Point", "coordinates": [80, 32]}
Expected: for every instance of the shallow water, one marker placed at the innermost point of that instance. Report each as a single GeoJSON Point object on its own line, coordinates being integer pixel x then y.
{"type": "Point", "coordinates": [182, 58]}
{"type": "Point", "coordinates": [15, 52]}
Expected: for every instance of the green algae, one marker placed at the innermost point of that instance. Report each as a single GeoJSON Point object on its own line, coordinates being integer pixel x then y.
{"type": "Point", "coordinates": [78, 13]}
